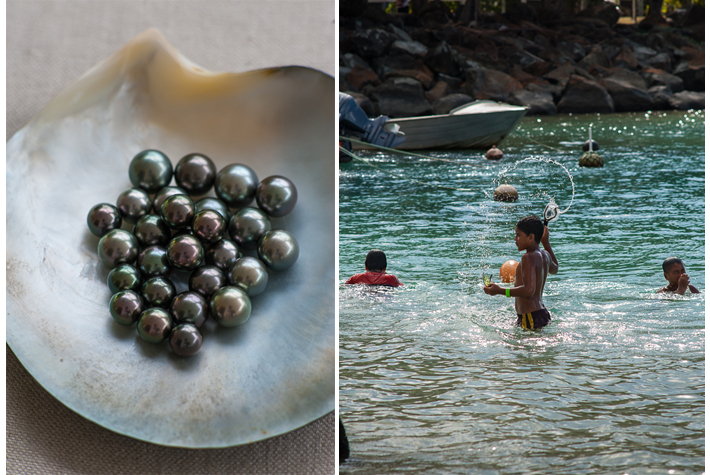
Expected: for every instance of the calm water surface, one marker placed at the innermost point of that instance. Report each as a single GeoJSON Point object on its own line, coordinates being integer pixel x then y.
{"type": "Point", "coordinates": [434, 376]}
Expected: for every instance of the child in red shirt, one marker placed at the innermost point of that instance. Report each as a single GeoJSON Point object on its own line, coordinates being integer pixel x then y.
{"type": "Point", "coordinates": [375, 267]}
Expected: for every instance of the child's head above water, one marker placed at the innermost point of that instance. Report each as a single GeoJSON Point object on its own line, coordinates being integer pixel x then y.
{"type": "Point", "coordinates": [673, 268]}
{"type": "Point", "coordinates": [532, 225]}
{"type": "Point", "coordinates": [376, 261]}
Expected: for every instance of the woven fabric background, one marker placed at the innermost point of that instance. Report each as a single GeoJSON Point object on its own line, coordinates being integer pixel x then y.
{"type": "Point", "coordinates": [51, 43]}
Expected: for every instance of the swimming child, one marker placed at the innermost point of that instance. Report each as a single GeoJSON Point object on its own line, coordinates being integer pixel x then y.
{"type": "Point", "coordinates": [531, 274]}
{"type": "Point", "coordinates": [375, 267]}
{"type": "Point", "coordinates": [678, 280]}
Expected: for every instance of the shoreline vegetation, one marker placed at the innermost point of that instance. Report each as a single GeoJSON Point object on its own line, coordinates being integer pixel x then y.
{"type": "Point", "coordinates": [553, 61]}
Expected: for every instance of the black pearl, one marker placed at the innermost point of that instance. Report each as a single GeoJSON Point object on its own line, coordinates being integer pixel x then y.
{"type": "Point", "coordinates": [208, 226]}
{"type": "Point", "coordinates": [189, 307]}
{"type": "Point", "coordinates": [150, 170]}
{"type": "Point", "coordinates": [222, 254]}
{"type": "Point", "coordinates": [207, 280]}
{"type": "Point", "coordinates": [118, 247]}
{"type": "Point", "coordinates": [195, 173]}
{"type": "Point", "coordinates": [151, 230]}
{"type": "Point", "coordinates": [278, 249]}
{"type": "Point", "coordinates": [133, 204]}
{"type": "Point", "coordinates": [236, 185]}
{"type": "Point", "coordinates": [164, 194]}
{"type": "Point", "coordinates": [124, 277]}
{"type": "Point", "coordinates": [250, 275]}
{"type": "Point", "coordinates": [185, 340]}
{"type": "Point", "coordinates": [214, 204]}
{"type": "Point", "coordinates": [153, 262]}
{"type": "Point", "coordinates": [185, 252]}
{"type": "Point", "coordinates": [154, 325]}
{"type": "Point", "coordinates": [158, 292]}
{"type": "Point", "coordinates": [126, 307]}
{"type": "Point", "coordinates": [230, 306]}
{"type": "Point", "coordinates": [276, 195]}
{"type": "Point", "coordinates": [178, 211]}
{"type": "Point", "coordinates": [102, 218]}
{"type": "Point", "coordinates": [247, 226]}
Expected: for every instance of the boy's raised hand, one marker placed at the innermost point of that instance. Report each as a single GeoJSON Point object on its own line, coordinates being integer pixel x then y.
{"type": "Point", "coordinates": [493, 289]}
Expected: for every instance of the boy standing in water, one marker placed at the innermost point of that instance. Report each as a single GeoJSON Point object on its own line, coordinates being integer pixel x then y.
{"type": "Point", "coordinates": [375, 267]}
{"type": "Point", "coordinates": [531, 274]}
{"type": "Point", "coordinates": [678, 280]}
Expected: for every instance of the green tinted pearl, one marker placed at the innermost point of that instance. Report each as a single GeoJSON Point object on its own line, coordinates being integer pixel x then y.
{"type": "Point", "coordinates": [126, 307]}
{"type": "Point", "coordinates": [278, 249]}
{"type": "Point", "coordinates": [276, 195]}
{"type": "Point", "coordinates": [230, 306]}
{"type": "Point", "coordinates": [150, 170]}
{"type": "Point", "coordinates": [195, 173]}
{"type": "Point", "coordinates": [250, 275]}
{"type": "Point", "coordinates": [185, 340]}
{"type": "Point", "coordinates": [178, 211]}
{"type": "Point", "coordinates": [133, 204]}
{"type": "Point", "coordinates": [164, 194]}
{"type": "Point", "coordinates": [247, 226]}
{"type": "Point", "coordinates": [185, 252]}
{"type": "Point", "coordinates": [189, 307]}
{"type": "Point", "coordinates": [236, 185]}
{"type": "Point", "coordinates": [153, 262]}
{"type": "Point", "coordinates": [222, 254]}
{"type": "Point", "coordinates": [158, 292]}
{"type": "Point", "coordinates": [124, 277]}
{"type": "Point", "coordinates": [208, 226]}
{"type": "Point", "coordinates": [151, 230]}
{"type": "Point", "coordinates": [154, 325]}
{"type": "Point", "coordinates": [102, 218]}
{"type": "Point", "coordinates": [118, 247]}
{"type": "Point", "coordinates": [214, 204]}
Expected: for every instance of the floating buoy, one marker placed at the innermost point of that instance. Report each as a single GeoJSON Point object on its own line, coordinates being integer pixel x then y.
{"type": "Point", "coordinates": [591, 159]}
{"type": "Point", "coordinates": [585, 145]}
{"type": "Point", "coordinates": [507, 271]}
{"type": "Point", "coordinates": [494, 153]}
{"type": "Point", "coordinates": [505, 193]}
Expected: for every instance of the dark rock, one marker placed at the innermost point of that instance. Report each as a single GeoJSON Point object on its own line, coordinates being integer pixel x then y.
{"type": "Point", "coordinates": [424, 78]}
{"type": "Point", "coordinates": [447, 103]}
{"type": "Point", "coordinates": [624, 75]}
{"type": "Point", "coordinates": [359, 77]}
{"type": "Point", "coordinates": [625, 59]}
{"type": "Point", "coordinates": [401, 97]}
{"type": "Point", "coordinates": [539, 68]}
{"type": "Point", "coordinates": [696, 32]}
{"type": "Point", "coordinates": [656, 77]}
{"type": "Point", "coordinates": [441, 60]}
{"type": "Point", "coordinates": [351, 60]}
{"type": "Point", "coordinates": [387, 64]}
{"type": "Point", "coordinates": [414, 48]}
{"type": "Point", "coordinates": [540, 103]}
{"type": "Point", "coordinates": [693, 75]}
{"type": "Point", "coordinates": [364, 102]}
{"type": "Point", "coordinates": [398, 32]}
{"type": "Point", "coordinates": [584, 96]}
{"type": "Point", "coordinates": [452, 81]}
{"type": "Point", "coordinates": [596, 57]}
{"type": "Point", "coordinates": [641, 52]}
{"type": "Point", "coordinates": [626, 96]}
{"type": "Point", "coordinates": [687, 100]}
{"type": "Point", "coordinates": [660, 95]}
{"type": "Point", "coordinates": [555, 89]}
{"type": "Point", "coordinates": [571, 49]}
{"type": "Point", "coordinates": [490, 84]}
{"type": "Point", "coordinates": [660, 61]}
{"type": "Point", "coordinates": [562, 74]}
{"type": "Point", "coordinates": [440, 89]}
{"type": "Point", "coordinates": [523, 77]}
{"type": "Point", "coordinates": [371, 43]}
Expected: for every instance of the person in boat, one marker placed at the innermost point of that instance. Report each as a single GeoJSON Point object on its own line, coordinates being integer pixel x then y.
{"type": "Point", "coordinates": [531, 274]}
{"type": "Point", "coordinates": [375, 271]}
{"type": "Point", "coordinates": [678, 279]}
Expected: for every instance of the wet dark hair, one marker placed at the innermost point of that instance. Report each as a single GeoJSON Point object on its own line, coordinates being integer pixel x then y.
{"type": "Point", "coordinates": [376, 260]}
{"type": "Point", "coordinates": [532, 225]}
{"type": "Point", "coordinates": [670, 262]}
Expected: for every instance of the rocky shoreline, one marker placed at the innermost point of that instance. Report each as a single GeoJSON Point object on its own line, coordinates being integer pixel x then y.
{"type": "Point", "coordinates": [400, 65]}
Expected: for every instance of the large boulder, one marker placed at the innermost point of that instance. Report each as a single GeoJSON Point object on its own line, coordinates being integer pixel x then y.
{"type": "Point", "coordinates": [571, 49]}
{"type": "Point", "coordinates": [584, 96]}
{"type": "Point", "coordinates": [555, 89]}
{"type": "Point", "coordinates": [447, 103]}
{"type": "Point", "coordinates": [562, 74]}
{"type": "Point", "coordinates": [440, 89]}
{"type": "Point", "coordinates": [624, 75]}
{"type": "Point", "coordinates": [661, 61]}
{"type": "Point", "coordinates": [490, 84]}
{"type": "Point", "coordinates": [414, 48]}
{"type": "Point", "coordinates": [540, 103]}
{"type": "Point", "coordinates": [360, 77]}
{"type": "Point", "coordinates": [656, 77]}
{"type": "Point", "coordinates": [426, 79]}
{"type": "Point", "coordinates": [401, 97]}
{"type": "Point", "coordinates": [693, 75]}
{"type": "Point", "coordinates": [687, 100]}
{"type": "Point", "coordinates": [625, 58]}
{"type": "Point", "coordinates": [660, 97]}
{"type": "Point", "coordinates": [596, 57]}
{"type": "Point", "coordinates": [371, 43]}
{"type": "Point", "coordinates": [441, 59]}
{"type": "Point", "coordinates": [387, 64]}
{"type": "Point", "coordinates": [627, 97]}
{"type": "Point", "coordinates": [351, 60]}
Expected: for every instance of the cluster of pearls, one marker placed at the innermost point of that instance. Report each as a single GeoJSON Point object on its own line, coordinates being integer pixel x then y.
{"type": "Point", "coordinates": [173, 233]}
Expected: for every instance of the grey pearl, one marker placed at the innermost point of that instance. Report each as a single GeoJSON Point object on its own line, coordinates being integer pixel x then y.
{"type": "Point", "coordinates": [214, 204]}
{"type": "Point", "coordinates": [118, 247]}
{"type": "Point", "coordinates": [153, 262]}
{"type": "Point", "coordinates": [158, 292]}
{"type": "Point", "coordinates": [208, 226]}
{"type": "Point", "coordinates": [177, 211]}
{"type": "Point", "coordinates": [207, 280]}
{"type": "Point", "coordinates": [247, 226]}
{"type": "Point", "coordinates": [222, 254]}
{"type": "Point", "coordinates": [230, 306]}
{"type": "Point", "coordinates": [189, 307]}
{"type": "Point", "coordinates": [154, 325]}
{"type": "Point", "coordinates": [150, 170]}
{"type": "Point", "coordinates": [126, 307]}
{"type": "Point", "coordinates": [124, 277]}
{"type": "Point", "coordinates": [133, 204]}
{"type": "Point", "coordinates": [250, 275]}
{"type": "Point", "coordinates": [236, 185]}
{"type": "Point", "coordinates": [102, 218]}
{"type": "Point", "coordinates": [195, 173]}
{"type": "Point", "coordinates": [185, 340]}
{"type": "Point", "coordinates": [185, 252]}
{"type": "Point", "coordinates": [278, 249]}
{"type": "Point", "coordinates": [276, 195]}
{"type": "Point", "coordinates": [164, 194]}
{"type": "Point", "coordinates": [151, 230]}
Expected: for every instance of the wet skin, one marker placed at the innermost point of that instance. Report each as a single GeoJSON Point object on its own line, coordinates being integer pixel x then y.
{"type": "Point", "coordinates": [678, 281]}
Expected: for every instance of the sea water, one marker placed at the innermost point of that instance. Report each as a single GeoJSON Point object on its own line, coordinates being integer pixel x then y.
{"type": "Point", "coordinates": [434, 376]}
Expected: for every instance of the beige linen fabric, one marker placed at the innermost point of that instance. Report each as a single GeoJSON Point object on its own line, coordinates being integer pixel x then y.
{"type": "Point", "coordinates": [50, 43]}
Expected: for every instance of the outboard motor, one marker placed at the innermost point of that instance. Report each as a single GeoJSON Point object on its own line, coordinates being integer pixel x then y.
{"type": "Point", "coordinates": [355, 123]}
